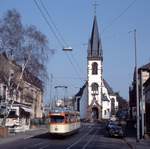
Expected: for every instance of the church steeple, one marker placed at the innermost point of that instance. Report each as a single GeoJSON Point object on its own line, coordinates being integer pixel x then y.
{"type": "Point", "coordinates": [95, 45]}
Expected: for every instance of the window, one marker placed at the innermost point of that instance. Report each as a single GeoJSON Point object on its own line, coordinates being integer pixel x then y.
{"type": "Point", "coordinates": [57, 119]}
{"type": "Point", "coordinates": [94, 87]}
{"type": "Point", "coordinates": [94, 68]}
{"type": "Point", "coordinates": [4, 92]}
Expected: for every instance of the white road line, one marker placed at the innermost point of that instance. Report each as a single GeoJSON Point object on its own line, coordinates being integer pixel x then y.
{"type": "Point", "coordinates": [79, 139]}
{"type": "Point", "coordinates": [27, 137]}
{"type": "Point", "coordinates": [44, 146]}
{"type": "Point", "coordinates": [37, 144]}
{"type": "Point", "coordinates": [89, 140]}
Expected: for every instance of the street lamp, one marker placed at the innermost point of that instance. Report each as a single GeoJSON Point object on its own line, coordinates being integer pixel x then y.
{"type": "Point", "coordinates": [67, 49]}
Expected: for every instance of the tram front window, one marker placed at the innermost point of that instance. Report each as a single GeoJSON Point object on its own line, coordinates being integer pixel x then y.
{"type": "Point", "coordinates": [57, 119]}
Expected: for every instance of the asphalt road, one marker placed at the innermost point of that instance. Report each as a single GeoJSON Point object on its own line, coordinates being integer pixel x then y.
{"type": "Point", "coordinates": [90, 136]}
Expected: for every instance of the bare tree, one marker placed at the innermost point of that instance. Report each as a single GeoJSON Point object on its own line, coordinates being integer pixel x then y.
{"type": "Point", "coordinates": [11, 30]}
{"type": "Point", "coordinates": [27, 46]}
{"type": "Point", "coordinates": [22, 42]}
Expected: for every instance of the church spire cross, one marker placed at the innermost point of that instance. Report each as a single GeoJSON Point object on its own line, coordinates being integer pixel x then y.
{"type": "Point", "coordinates": [95, 4]}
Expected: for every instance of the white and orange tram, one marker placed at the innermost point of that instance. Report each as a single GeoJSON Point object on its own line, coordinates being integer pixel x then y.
{"type": "Point", "coordinates": [63, 121]}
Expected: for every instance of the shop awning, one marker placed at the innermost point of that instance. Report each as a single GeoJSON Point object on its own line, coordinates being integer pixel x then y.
{"type": "Point", "coordinates": [27, 109]}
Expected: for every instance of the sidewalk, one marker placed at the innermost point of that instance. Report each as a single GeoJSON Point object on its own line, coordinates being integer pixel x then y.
{"type": "Point", "coordinates": [142, 144]}
{"type": "Point", "coordinates": [23, 135]}
{"type": "Point", "coordinates": [130, 139]}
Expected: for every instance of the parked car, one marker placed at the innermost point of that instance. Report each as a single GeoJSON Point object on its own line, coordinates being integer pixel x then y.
{"type": "Point", "coordinates": [113, 118]}
{"type": "Point", "coordinates": [114, 129]}
{"type": "Point", "coordinates": [110, 124]}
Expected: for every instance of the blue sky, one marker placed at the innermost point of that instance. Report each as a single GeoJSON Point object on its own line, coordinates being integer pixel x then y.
{"type": "Point", "coordinates": [74, 20]}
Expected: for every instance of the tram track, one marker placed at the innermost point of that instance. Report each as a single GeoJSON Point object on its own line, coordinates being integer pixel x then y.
{"type": "Point", "coordinates": [89, 136]}
{"type": "Point", "coordinates": [86, 139]}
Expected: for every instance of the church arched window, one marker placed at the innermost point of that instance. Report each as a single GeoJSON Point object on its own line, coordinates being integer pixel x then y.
{"type": "Point", "coordinates": [94, 68]}
{"type": "Point", "coordinates": [94, 87]}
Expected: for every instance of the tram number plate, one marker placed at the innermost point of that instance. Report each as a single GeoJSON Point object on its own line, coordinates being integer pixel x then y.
{"type": "Point", "coordinates": [56, 128]}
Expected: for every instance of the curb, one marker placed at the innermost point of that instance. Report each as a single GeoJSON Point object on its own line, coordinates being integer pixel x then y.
{"type": "Point", "coordinates": [129, 144]}
{"type": "Point", "coordinates": [20, 136]}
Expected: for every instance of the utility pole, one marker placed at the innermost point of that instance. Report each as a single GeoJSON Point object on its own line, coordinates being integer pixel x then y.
{"type": "Point", "coordinates": [51, 100]}
{"type": "Point", "coordinates": [142, 105]}
{"type": "Point", "coordinates": [137, 93]}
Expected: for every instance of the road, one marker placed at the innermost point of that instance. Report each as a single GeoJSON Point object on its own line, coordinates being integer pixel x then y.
{"type": "Point", "coordinates": [90, 136]}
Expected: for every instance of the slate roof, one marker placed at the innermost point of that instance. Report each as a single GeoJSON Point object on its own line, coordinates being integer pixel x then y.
{"type": "Point", "coordinates": [147, 83]}
{"type": "Point", "coordinates": [81, 90]}
{"type": "Point", "coordinates": [95, 45]}
{"type": "Point", "coordinates": [27, 76]}
{"type": "Point", "coordinates": [109, 89]}
{"type": "Point", "coordinates": [145, 67]}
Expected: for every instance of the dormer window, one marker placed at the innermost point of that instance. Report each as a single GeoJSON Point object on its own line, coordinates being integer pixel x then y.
{"type": "Point", "coordinates": [94, 68]}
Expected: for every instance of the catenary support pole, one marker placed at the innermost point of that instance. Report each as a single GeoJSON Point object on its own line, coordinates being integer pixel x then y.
{"type": "Point", "coordinates": [137, 93]}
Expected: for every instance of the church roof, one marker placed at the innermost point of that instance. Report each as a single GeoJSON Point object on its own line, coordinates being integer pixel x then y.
{"type": "Point", "coordinates": [109, 89]}
{"type": "Point", "coordinates": [95, 45]}
{"type": "Point", "coordinates": [147, 83]}
{"type": "Point", "coordinates": [145, 67]}
{"type": "Point", "coordinates": [81, 90]}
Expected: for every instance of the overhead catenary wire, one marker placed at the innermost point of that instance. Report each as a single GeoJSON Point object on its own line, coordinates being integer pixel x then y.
{"type": "Point", "coordinates": [57, 35]}
{"type": "Point", "coordinates": [119, 16]}
{"type": "Point", "coordinates": [60, 35]}
{"type": "Point", "coordinates": [50, 18]}
{"type": "Point", "coordinates": [47, 22]}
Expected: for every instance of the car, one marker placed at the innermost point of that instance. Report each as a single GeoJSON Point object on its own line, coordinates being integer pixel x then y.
{"type": "Point", "coordinates": [110, 124]}
{"type": "Point", "coordinates": [114, 129]}
{"type": "Point", "coordinates": [113, 118]}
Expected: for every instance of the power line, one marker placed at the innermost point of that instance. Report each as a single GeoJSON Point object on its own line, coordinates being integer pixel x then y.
{"type": "Point", "coordinates": [120, 15]}
{"type": "Point", "coordinates": [47, 22]}
{"type": "Point", "coordinates": [68, 77]}
{"type": "Point", "coordinates": [63, 42]}
{"type": "Point", "coordinates": [50, 18]}
{"type": "Point", "coordinates": [73, 66]}
{"type": "Point", "coordinates": [59, 33]}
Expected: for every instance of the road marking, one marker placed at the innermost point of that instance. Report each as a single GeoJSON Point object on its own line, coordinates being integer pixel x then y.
{"type": "Point", "coordinates": [89, 126]}
{"type": "Point", "coordinates": [38, 144]}
{"type": "Point", "coordinates": [130, 146]}
{"type": "Point", "coordinates": [79, 139]}
{"type": "Point", "coordinates": [89, 140]}
{"type": "Point", "coordinates": [44, 146]}
{"type": "Point", "coordinates": [27, 137]}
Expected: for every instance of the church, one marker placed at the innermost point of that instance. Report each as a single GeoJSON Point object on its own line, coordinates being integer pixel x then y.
{"type": "Point", "coordinates": [96, 99]}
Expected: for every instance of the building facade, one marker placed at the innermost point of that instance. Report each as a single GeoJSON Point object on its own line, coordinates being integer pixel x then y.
{"type": "Point", "coordinates": [21, 98]}
{"type": "Point", "coordinates": [147, 105]}
{"type": "Point", "coordinates": [144, 104]}
{"type": "Point", "coordinates": [143, 76]}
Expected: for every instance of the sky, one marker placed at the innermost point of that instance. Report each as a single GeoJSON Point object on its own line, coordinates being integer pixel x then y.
{"type": "Point", "coordinates": [73, 19]}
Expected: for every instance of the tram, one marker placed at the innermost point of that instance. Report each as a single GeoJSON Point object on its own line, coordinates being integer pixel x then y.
{"type": "Point", "coordinates": [63, 121]}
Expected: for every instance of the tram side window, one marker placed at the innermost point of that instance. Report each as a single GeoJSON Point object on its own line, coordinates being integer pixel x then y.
{"type": "Point", "coordinates": [57, 119]}
{"type": "Point", "coordinates": [72, 118]}
{"type": "Point", "coordinates": [67, 118]}
{"type": "Point", "coordinates": [78, 118]}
